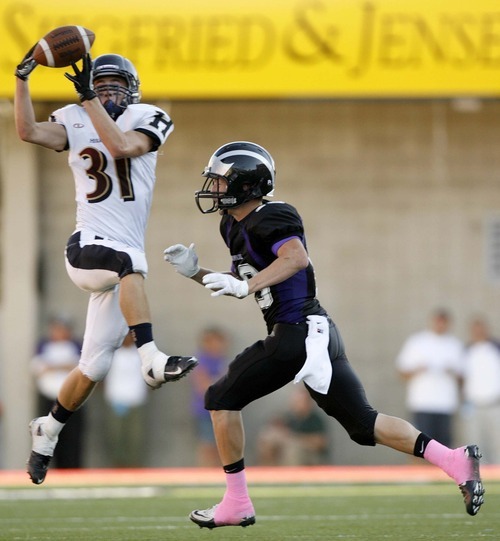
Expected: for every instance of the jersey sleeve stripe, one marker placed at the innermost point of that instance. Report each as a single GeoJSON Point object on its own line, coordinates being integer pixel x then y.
{"type": "Point", "coordinates": [156, 140]}
{"type": "Point", "coordinates": [276, 246]}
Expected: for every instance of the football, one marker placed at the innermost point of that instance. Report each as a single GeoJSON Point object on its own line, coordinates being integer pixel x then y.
{"type": "Point", "coordinates": [63, 45]}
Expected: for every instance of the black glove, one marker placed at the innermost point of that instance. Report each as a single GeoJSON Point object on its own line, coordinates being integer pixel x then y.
{"type": "Point", "coordinates": [27, 65]}
{"type": "Point", "coordinates": [81, 79]}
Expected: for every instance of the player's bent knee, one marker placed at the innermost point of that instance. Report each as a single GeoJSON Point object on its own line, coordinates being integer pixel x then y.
{"type": "Point", "coordinates": [97, 367]}
{"type": "Point", "coordinates": [363, 438]}
{"type": "Point", "coordinates": [210, 400]}
{"type": "Point", "coordinates": [214, 400]}
{"type": "Point", "coordinates": [363, 432]}
{"type": "Point", "coordinates": [94, 375]}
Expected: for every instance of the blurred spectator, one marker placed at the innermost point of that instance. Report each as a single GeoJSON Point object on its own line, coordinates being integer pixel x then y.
{"type": "Point", "coordinates": [482, 390]}
{"type": "Point", "coordinates": [431, 362]}
{"type": "Point", "coordinates": [297, 438]}
{"type": "Point", "coordinates": [1, 433]}
{"type": "Point", "coordinates": [55, 357]}
{"type": "Point", "coordinates": [212, 355]}
{"type": "Point", "coordinates": [125, 393]}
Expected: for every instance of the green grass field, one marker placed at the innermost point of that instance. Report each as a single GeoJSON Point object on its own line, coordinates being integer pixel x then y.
{"type": "Point", "coordinates": [402, 512]}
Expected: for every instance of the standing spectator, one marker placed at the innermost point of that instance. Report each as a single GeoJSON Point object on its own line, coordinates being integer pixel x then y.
{"type": "Point", "coordinates": [56, 356]}
{"type": "Point", "coordinates": [213, 344]}
{"type": "Point", "coordinates": [126, 394]}
{"type": "Point", "coordinates": [482, 389]}
{"type": "Point", "coordinates": [1, 432]}
{"type": "Point", "coordinates": [112, 141]}
{"type": "Point", "coordinates": [431, 362]}
{"type": "Point", "coordinates": [296, 438]}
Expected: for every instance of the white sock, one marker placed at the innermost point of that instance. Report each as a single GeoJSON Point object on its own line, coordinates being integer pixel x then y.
{"type": "Point", "coordinates": [147, 352]}
{"type": "Point", "coordinates": [52, 427]}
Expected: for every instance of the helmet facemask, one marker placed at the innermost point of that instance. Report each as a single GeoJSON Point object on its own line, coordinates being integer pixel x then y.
{"type": "Point", "coordinates": [114, 97]}
{"type": "Point", "coordinates": [211, 193]}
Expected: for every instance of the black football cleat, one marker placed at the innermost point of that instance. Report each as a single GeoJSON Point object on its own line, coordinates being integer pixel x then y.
{"type": "Point", "coordinates": [38, 461]}
{"type": "Point", "coordinates": [160, 368]}
{"type": "Point", "coordinates": [37, 467]}
{"type": "Point", "coordinates": [178, 367]}
{"type": "Point", "coordinates": [473, 490]}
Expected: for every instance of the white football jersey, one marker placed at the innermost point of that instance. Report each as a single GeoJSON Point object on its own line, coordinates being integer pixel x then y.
{"type": "Point", "coordinates": [113, 197]}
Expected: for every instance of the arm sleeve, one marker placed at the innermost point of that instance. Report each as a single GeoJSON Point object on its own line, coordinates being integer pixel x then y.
{"type": "Point", "coordinates": [276, 223]}
{"type": "Point", "coordinates": [157, 125]}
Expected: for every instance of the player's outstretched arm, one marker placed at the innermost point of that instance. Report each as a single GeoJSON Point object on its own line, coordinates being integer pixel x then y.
{"type": "Point", "coordinates": [47, 134]}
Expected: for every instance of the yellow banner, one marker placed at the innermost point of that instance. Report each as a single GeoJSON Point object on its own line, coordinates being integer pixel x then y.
{"type": "Point", "coordinates": [218, 49]}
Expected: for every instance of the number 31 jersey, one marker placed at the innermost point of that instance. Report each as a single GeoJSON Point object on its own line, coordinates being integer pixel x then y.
{"type": "Point", "coordinates": [113, 196]}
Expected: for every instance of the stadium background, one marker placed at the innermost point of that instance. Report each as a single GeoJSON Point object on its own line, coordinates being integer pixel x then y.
{"type": "Point", "coordinates": [383, 118]}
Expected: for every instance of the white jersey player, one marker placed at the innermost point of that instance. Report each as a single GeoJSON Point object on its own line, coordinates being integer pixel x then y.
{"type": "Point", "coordinates": [112, 141]}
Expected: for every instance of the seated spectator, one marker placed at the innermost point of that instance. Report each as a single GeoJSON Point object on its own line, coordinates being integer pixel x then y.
{"type": "Point", "coordinates": [296, 438]}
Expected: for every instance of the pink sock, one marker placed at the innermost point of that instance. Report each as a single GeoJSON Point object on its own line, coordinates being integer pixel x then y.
{"type": "Point", "coordinates": [236, 503]}
{"type": "Point", "coordinates": [451, 461]}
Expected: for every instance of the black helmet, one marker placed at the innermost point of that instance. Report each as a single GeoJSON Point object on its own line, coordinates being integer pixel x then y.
{"type": "Point", "coordinates": [109, 65]}
{"type": "Point", "coordinates": [248, 170]}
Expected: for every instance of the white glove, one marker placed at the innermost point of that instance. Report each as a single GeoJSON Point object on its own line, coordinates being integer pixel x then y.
{"type": "Point", "coordinates": [184, 260]}
{"type": "Point", "coordinates": [225, 284]}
